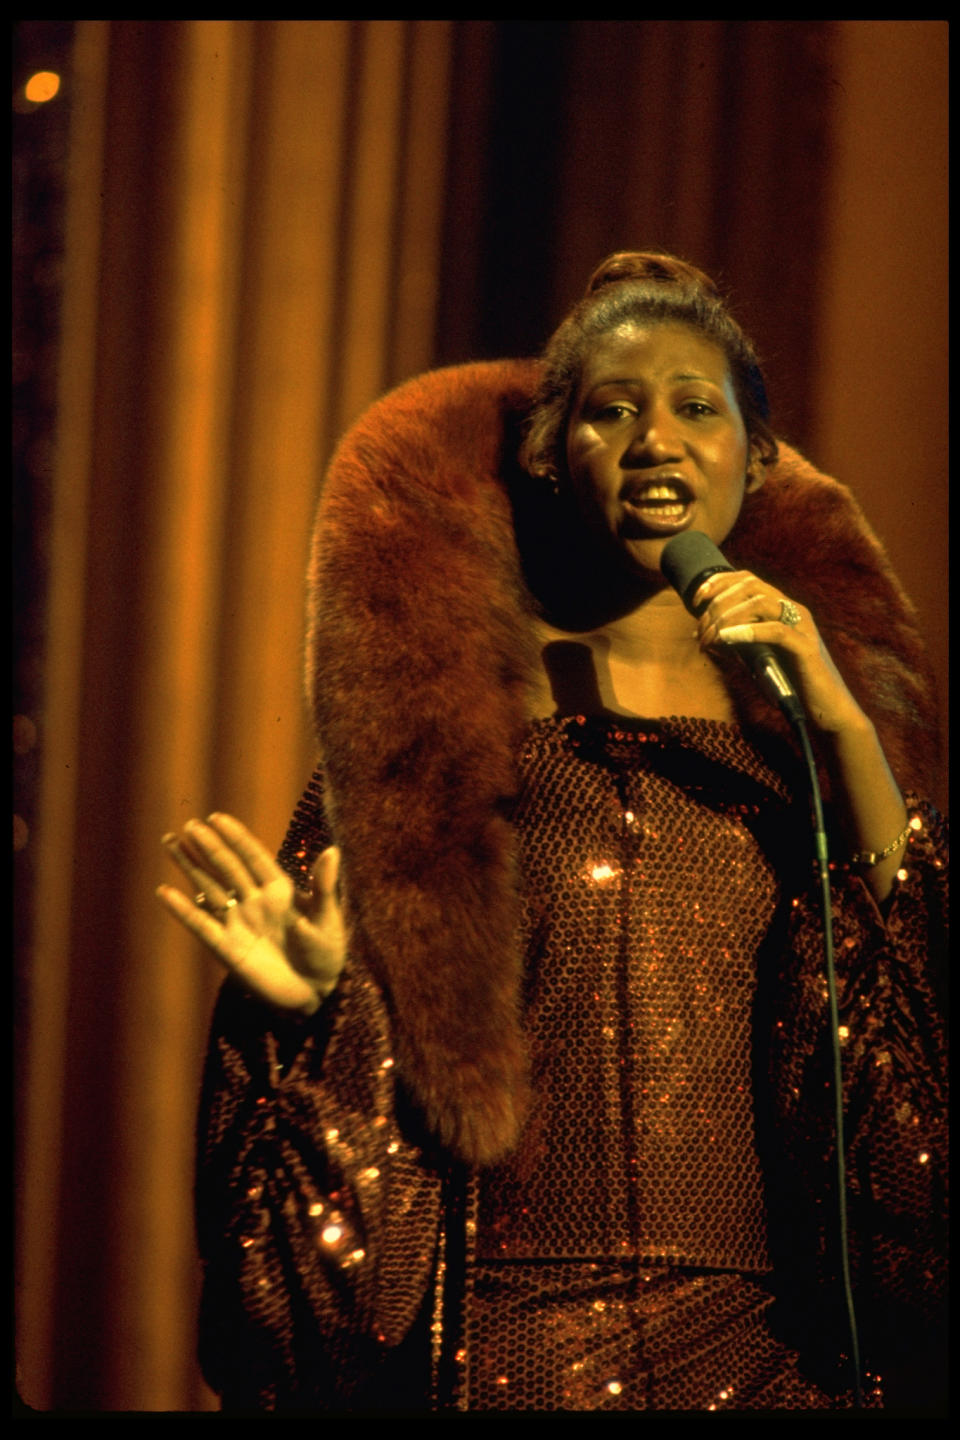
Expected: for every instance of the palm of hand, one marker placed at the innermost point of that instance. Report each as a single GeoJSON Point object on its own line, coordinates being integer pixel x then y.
{"type": "Point", "coordinates": [287, 950]}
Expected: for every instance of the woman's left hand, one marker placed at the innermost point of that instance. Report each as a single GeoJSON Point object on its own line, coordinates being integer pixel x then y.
{"type": "Point", "coordinates": [743, 608]}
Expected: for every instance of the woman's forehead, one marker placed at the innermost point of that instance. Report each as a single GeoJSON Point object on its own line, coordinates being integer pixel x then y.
{"type": "Point", "coordinates": [657, 349]}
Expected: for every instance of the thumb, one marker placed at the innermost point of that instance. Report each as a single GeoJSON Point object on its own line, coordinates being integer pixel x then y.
{"type": "Point", "coordinates": [326, 873]}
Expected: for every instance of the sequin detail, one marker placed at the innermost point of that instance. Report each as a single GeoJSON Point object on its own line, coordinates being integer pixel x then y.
{"type": "Point", "coordinates": [594, 1337]}
{"type": "Point", "coordinates": [648, 899]}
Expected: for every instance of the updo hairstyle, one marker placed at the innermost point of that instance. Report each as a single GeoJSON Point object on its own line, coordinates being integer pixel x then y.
{"type": "Point", "coordinates": [639, 288]}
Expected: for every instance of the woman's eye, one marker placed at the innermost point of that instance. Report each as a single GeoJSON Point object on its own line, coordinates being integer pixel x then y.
{"type": "Point", "coordinates": [612, 412]}
{"type": "Point", "coordinates": [697, 408]}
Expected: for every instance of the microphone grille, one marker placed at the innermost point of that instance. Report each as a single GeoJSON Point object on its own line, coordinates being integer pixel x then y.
{"type": "Point", "coordinates": [687, 557]}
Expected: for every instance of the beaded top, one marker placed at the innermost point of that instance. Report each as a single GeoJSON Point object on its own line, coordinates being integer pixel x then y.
{"type": "Point", "coordinates": [649, 895]}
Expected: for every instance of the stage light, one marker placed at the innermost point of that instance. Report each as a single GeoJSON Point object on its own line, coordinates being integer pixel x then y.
{"type": "Point", "coordinates": [42, 86]}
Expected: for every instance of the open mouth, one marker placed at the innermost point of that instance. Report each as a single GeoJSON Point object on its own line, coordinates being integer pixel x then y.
{"type": "Point", "coordinates": [658, 501]}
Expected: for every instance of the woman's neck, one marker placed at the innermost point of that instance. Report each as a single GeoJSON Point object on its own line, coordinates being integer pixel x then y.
{"type": "Point", "coordinates": [644, 661]}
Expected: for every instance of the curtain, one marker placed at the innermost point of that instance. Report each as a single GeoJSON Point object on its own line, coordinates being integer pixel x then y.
{"type": "Point", "coordinates": [230, 237]}
{"type": "Point", "coordinates": [252, 216]}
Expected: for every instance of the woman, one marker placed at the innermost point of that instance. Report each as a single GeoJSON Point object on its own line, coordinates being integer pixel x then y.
{"type": "Point", "coordinates": [541, 1117]}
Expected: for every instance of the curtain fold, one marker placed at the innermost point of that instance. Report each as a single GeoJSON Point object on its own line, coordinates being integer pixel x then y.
{"type": "Point", "coordinates": [244, 273]}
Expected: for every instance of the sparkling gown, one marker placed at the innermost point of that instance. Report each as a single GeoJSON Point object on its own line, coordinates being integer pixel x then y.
{"type": "Point", "coordinates": [661, 1236]}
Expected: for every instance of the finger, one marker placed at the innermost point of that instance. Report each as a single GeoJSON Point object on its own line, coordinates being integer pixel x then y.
{"type": "Point", "coordinates": [202, 880]}
{"type": "Point", "coordinates": [327, 870]}
{"type": "Point", "coordinates": [767, 632]}
{"type": "Point", "coordinates": [743, 603]}
{"type": "Point", "coordinates": [196, 920]}
{"type": "Point", "coordinates": [326, 874]}
{"type": "Point", "coordinates": [749, 607]}
{"type": "Point", "coordinates": [724, 582]}
{"type": "Point", "coordinates": [255, 856]}
{"type": "Point", "coordinates": [220, 857]}
{"type": "Point", "coordinates": [737, 635]}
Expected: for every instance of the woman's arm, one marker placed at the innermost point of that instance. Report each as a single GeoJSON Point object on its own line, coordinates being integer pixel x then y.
{"type": "Point", "coordinates": [891, 979]}
{"type": "Point", "coordinates": [317, 1214]}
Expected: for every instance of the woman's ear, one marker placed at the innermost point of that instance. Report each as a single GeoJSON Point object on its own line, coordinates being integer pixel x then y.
{"type": "Point", "coordinates": [756, 471]}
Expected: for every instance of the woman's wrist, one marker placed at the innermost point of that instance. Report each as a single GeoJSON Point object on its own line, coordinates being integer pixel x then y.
{"type": "Point", "coordinates": [872, 808]}
{"type": "Point", "coordinates": [871, 858]}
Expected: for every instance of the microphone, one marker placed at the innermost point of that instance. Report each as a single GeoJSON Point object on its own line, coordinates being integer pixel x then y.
{"type": "Point", "coordinates": [687, 561]}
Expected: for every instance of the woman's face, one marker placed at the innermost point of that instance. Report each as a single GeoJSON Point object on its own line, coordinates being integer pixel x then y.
{"type": "Point", "coordinates": [656, 443]}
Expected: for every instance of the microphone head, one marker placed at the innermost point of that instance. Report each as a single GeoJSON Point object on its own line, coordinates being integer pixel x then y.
{"type": "Point", "coordinates": [688, 559]}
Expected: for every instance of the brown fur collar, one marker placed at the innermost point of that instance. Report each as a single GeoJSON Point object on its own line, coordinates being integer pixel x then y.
{"type": "Point", "coordinates": [419, 643]}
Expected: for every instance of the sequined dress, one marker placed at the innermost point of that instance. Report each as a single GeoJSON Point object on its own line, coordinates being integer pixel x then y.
{"type": "Point", "coordinates": [661, 1237]}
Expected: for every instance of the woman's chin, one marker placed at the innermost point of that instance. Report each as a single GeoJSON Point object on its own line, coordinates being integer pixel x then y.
{"type": "Point", "coordinates": [642, 556]}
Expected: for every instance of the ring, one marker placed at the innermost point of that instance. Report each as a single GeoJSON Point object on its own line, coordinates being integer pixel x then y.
{"type": "Point", "coordinates": [202, 902]}
{"type": "Point", "coordinates": [789, 613]}
{"type": "Point", "coordinates": [229, 900]}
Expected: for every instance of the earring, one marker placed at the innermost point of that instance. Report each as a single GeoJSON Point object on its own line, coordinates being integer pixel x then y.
{"type": "Point", "coordinates": [553, 482]}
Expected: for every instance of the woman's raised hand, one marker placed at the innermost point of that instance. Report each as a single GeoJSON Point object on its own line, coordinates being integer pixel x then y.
{"type": "Point", "coordinates": [285, 949]}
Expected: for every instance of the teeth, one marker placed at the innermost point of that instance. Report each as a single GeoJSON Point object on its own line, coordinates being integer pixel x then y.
{"type": "Point", "coordinates": [658, 493]}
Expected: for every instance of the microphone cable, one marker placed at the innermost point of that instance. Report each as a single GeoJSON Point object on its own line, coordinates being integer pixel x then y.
{"type": "Point", "coordinates": [823, 864]}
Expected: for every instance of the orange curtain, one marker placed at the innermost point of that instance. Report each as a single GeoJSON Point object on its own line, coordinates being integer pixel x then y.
{"type": "Point", "coordinates": [880, 372]}
{"type": "Point", "coordinates": [251, 257]}
{"type": "Point", "coordinates": [267, 223]}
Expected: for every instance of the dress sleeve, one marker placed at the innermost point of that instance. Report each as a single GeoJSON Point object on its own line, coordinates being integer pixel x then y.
{"type": "Point", "coordinates": [891, 975]}
{"type": "Point", "coordinates": [317, 1207]}
{"type": "Point", "coordinates": [307, 834]}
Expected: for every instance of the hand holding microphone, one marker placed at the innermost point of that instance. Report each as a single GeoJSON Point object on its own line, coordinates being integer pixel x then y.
{"type": "Point", "coordinates": [691, 560]}
{"type": "Point", "coordinates": [768, 630]}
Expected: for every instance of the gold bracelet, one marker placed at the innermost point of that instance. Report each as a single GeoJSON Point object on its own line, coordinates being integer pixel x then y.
{"type": "Point", "coordinates": [873, 857]}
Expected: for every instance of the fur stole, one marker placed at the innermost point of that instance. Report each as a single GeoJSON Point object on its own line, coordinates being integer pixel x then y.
{"type": "Point", "coordinates": [419, 645]}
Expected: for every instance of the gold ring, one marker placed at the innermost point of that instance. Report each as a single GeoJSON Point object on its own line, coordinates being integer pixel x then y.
{"type": "Point", "coordinates": [789, 613]}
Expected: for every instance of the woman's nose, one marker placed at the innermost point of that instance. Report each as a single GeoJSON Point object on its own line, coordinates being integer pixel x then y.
{"type": "Point", "coordinates": [655, 440]}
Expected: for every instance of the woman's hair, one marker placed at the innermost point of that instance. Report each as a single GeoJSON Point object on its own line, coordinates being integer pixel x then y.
{"type": "Point", "coordinates": [641, 288]}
